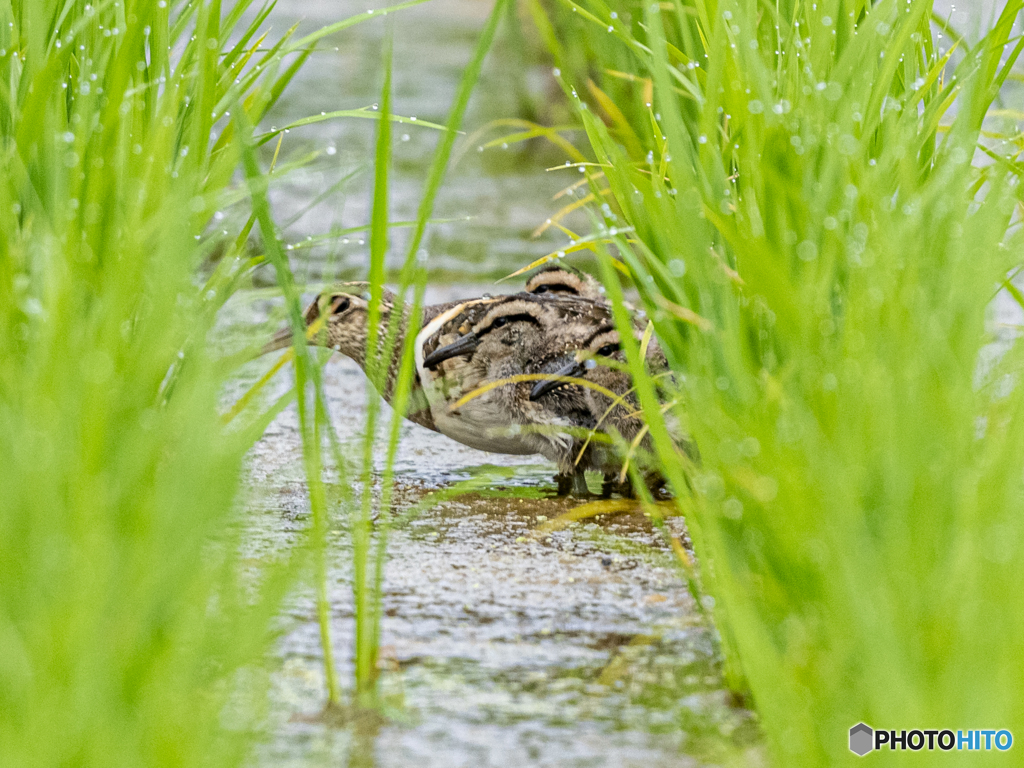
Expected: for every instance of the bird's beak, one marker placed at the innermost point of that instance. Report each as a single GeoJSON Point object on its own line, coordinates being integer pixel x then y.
{"type": "Point", "coordinates": [574, 370]}
{"type": "Point", "coordinates": [280, 340]}
{"type": "Point", "coordinates": [464, 345]}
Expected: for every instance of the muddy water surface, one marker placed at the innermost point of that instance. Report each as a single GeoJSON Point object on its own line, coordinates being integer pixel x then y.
{"type": "Point", "coordinates": [501, 647]}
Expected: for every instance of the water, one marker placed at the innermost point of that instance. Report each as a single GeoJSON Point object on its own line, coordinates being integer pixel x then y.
{"type": "Point", "coordinates": [500, 647]}
{"type": "Point", "coordinates": [506, 193]}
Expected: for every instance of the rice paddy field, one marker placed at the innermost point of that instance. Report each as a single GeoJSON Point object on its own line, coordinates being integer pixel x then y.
{"type": "Point", "coordinates": [213, 557]}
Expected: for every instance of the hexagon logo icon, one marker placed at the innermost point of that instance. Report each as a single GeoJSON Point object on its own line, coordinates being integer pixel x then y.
{"type": "Point", "coordinates": [862, 739]}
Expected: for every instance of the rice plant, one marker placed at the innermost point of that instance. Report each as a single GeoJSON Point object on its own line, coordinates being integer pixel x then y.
{"type": "Point", "coordinates": [128, 637]}
{"type": "Point", "coordinates": [371, 516]}
{"type": "Point", "coordinates": [369, 541]}
{"type": "Point", "coordinates": [817, 204]}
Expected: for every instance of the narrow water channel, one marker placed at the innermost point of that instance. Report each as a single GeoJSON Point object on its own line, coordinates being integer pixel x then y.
{"type": "Point", "coordinates": [501, 647]}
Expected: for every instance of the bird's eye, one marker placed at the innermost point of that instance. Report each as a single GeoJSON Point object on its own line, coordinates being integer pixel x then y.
{"type": "Point", "coordinates": [501, 321]}
{"type": "Point", "coordinates": [341, 306]}
{"type": "Point", "coordinates": [608, 350]}
{"type": "Point", "coordinates": [541, 289]}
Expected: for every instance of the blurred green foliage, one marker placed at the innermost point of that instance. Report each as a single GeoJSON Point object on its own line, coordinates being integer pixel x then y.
{"type": "Point", "coordinates": [126, 636]}
{"type": "Point", "coordinates": [816, 202]}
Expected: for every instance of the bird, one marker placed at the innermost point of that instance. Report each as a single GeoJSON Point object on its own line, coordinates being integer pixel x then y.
{"type": "Point", "coordinates": [345, 329]}
{"type": "Point", "coordinates": [479, 346]}
{"type": "Point", "coordinates": [601, 361]}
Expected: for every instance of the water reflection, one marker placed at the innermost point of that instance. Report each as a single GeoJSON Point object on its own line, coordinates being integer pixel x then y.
{"type": "Point", "coordinates": [363, 750]}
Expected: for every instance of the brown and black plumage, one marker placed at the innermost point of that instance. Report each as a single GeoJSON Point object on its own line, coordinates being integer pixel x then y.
{"type": "Point", "coordinates": [602, 362]}
{"type": "Point", "coordinates": [560, 280]}
{"type": "Point", "coordinates": [489, 341]}
{"type": "Point", "coordinates": [345, 331]}
{"type": "Point", "coordinates": [345, 328]}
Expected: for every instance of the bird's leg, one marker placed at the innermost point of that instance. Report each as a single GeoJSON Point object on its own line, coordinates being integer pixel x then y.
{"type": "Point", "coordinates": [608, 486]}
{"type": "Point", "coordinates": [564, 484]}
{"type": "Point", "coordinates": [579, 484]}
{"type": "Point", "coordinates": [612, 485]}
